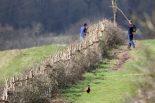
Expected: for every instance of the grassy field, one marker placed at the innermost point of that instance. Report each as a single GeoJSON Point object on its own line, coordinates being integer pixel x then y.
{"type": "Point", "coordinates": [109, 86]}
{"type": "Point", "coordinates": [12, 62]}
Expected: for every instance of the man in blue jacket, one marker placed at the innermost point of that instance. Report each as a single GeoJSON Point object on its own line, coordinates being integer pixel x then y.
{"type": "Point", "coordinates": [83, 31]}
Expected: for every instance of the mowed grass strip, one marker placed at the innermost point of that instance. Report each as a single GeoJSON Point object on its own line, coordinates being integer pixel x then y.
{"type": "Point", "coordinates": [13, 62]}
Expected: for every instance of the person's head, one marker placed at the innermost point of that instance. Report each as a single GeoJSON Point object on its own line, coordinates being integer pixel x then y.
{"type": "Point", "coordinates": [130, 22]}
{"type": "Point", "coordinates": [85, 25]}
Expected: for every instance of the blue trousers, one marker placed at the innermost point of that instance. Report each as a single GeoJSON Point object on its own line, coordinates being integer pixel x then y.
{"type": "Point", "coordinates": [81, 38]}
{"type": "Point", "coordinates": [131, 42]}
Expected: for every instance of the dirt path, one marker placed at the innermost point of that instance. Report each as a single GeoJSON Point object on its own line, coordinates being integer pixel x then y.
{"type": "Point", "coordinates": [122, 56]}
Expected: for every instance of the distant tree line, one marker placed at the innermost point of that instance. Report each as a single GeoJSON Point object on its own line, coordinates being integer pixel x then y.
{"type": "Point", "coordinates": [59, 15]}
{"type": "Point", "coordinates": [22, 22]}
{"type": "Point", "coordinates": [54, 15]}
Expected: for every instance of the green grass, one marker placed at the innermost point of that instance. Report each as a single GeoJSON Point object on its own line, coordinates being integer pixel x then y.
{"type": "Point", "coordinates": [107, 87]}
{"type": "Point", "coordinates": [112, 86]}
{"type": "Point", "coordinates": [150, 43]}
{"type": "Point", "coordinates": [13, 62]}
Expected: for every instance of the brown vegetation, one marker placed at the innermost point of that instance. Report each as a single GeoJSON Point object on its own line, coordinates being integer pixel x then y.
{"type": "Point", "coordinates": [65, 68]}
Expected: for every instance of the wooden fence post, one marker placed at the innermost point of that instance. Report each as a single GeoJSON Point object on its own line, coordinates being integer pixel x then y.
{"type": "Point", "coordinates": [26, 82]}
{"type": "Point", "coordinates": [20, 79]}
{"type": "Point", "coordinates": [5, 91]}
{"type": "Point", "coordinates": [114, 6]}
{"type": "Point", "coordinates": [14, 83]}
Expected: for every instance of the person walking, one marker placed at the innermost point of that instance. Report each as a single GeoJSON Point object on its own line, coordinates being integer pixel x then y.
{"type": "Point", "coordinates": [131, 33]}
{"type": "Point", "coordinates": [83, 31]}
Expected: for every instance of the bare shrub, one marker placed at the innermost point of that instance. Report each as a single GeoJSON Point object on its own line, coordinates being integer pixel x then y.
{"type": "Point", "coordinates": [62, 73]}
{"type": "Point", "coordinates": [35, 92]}
{"type": "Point", "coordinates": [112, 38]}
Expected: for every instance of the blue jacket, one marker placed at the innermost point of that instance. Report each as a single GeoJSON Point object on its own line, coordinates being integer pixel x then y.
{"type": "Point", "coordinates": [81, 32]}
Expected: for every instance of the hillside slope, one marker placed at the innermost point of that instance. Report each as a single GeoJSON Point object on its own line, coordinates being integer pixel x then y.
{"type": "Point", "coordinates": [13, 62]}
{"type": "Point", "coordinates": [44, 81]}
{"type": "Point", "coordinates": [115, 81]}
